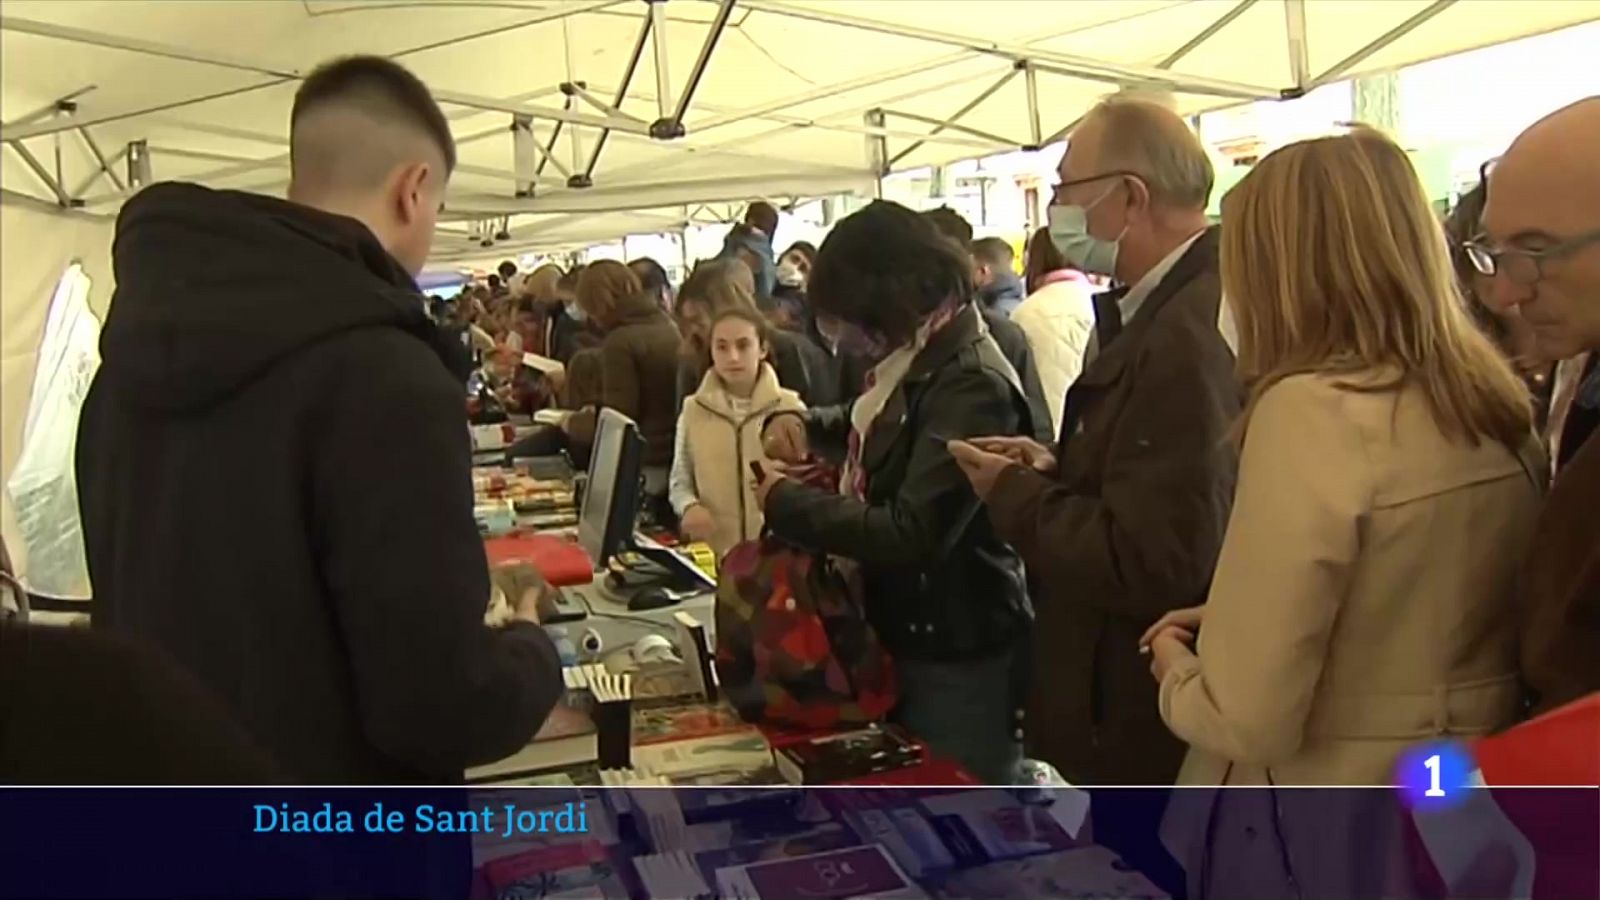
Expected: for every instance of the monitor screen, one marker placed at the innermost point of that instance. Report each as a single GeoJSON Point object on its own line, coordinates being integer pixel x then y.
{"type": "Point", "coordinates": [611, 498]}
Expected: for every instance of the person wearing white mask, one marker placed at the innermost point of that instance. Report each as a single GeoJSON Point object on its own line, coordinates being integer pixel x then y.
{"type": "Point", "coordinates": [1122, 520]}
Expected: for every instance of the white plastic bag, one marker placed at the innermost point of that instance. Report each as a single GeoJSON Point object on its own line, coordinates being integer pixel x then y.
{"type": "Point", "coordinates": [43, 486]}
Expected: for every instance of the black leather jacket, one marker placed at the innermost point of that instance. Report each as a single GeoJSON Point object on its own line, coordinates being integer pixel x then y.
{"type": "Point", "coordinates": [939, 584]}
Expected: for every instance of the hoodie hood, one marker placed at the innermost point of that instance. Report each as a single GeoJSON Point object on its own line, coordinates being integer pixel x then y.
{"type": "Point", "coordinates": [215, 287]}
{"type": "Point", "coordinates": [744, 237]}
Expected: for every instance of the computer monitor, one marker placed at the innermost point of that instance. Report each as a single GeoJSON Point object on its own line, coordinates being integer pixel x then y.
{"type": "Point", "coordinates": [611, 497]}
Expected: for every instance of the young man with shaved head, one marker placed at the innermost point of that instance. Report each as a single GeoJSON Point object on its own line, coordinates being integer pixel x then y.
{"type": "Point", "coordinates": [1541, 247]}
{"type": "Point", "coordinates": [273, 465]}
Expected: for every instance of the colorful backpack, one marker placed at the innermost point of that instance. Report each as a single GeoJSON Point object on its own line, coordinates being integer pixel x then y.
{"type": "Point", "coordinates": [793, 644]}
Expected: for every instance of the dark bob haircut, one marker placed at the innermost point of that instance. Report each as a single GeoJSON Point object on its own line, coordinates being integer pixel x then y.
{"type": "Point", "coordinates": [884, 269]}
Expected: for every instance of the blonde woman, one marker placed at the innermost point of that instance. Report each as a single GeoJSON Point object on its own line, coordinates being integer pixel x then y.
{"type": "Point", "coordinates": [1388, 484]}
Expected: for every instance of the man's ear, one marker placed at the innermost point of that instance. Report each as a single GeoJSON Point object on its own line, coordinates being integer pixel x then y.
{"type": "Point", "coordinates": [414, 191]}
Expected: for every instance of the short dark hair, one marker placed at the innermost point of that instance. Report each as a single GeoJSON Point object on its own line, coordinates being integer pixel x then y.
{"type": "Point", "coordinates": [1462, 225]}
{"type": "Point", "coordinates": [951, 224]}
{"type": "Point", "coordinates": [385, 88]}
{"type": "Point", "coordinates": [804, 248]}
{"type": "Point", "coordinates": [1042, 258]}
{"type": "Point", "coordinates": [494, 281]}
{"type": "Point", "coordinates": [652, 277]}
{"type": "Point", "coordinates": [507, 269]}
{"type": "Point", "coordinates": [994, 251]}
{"type": "Point", "coordinates": [764, 216]}
{"type": "Point", "coordinates": [885, 268]}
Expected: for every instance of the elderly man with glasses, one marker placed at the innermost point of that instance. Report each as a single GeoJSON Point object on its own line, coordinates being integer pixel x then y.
{"type": "Point", "coordinates": [1541, 250]}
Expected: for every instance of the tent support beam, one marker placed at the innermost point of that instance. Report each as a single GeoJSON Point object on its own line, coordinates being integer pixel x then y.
{"type": "Point", "coordinates": [953, 126]}
{"type": "Point", "coordinates": [549, 154]}
{"type": "Point", "coordinates": [1035, 130]}
{"type": "Point", "coordinates": [622, 94]}
{"type": "Point", "coordinates": [658, 42]}
{"type": "Point", "coordinates": [1299, 51]}
{"type": "Point", "coordinates": [1064, 63]}
{"type": "Point", "coordinates": [827, 91]}
{"type": "Point", "coordinates": [724, 11]}
{"type": "Point", "coordinates": [42, 174]}
{"type": "Point", "coordinates": [582, 93]}
{"type": "Point", "coordinates": [1338, 69]}
{"type": "Point", "coordinates": [1062, 133]}
{"type": "Point", "coordinates": [941, 126]}
{"type": "Point", "coordinates": [279, 75]}
{"type": "Point", "coordinates": [49, 109]}
{"type": "Point", "coordinates": [877, 149]}
{"type": "Point", "coordinates": [180, 153]}
{"type": "Point", "coordinates": [1206, 34]}
{"type": "Point", "coordinates": [105, 164]}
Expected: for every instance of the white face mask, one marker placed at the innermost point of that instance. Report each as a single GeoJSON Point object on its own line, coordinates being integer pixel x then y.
{"type": "Point", "coordinates": [1069, 229]}
{"type": "Point", "coordinates": [789, 274]}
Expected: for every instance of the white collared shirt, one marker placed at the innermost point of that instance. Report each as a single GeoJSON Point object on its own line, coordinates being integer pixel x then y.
{"type": "Point", "coordinates": [1128, 304]}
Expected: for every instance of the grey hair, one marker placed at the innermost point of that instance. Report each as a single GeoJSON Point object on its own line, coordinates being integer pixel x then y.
{"type": "Point", "coordinates": [1155, 143]}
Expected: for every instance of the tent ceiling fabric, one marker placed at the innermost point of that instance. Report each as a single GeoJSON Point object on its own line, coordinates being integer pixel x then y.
{"type": "Point", "coordinates": [786, 104]}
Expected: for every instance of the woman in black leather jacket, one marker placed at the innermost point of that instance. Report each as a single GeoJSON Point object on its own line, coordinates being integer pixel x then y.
{"type": "Point", "coordinates": [946, 596]}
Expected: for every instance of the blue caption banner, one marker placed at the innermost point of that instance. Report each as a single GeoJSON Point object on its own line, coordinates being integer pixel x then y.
{"type": "Point", "coordinates": [761, 842]}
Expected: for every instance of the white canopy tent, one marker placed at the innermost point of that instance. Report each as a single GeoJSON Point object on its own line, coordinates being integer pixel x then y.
{"type": "Point", "coordinates": [588, 119]}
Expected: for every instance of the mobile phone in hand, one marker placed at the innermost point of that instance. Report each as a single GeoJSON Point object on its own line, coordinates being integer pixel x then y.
{"type": "Point", "coordinates": [757, 470]}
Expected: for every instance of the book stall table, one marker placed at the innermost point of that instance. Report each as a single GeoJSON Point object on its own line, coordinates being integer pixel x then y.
{"type": "Point", "coordinates": [691, 801]}
{"type": "Point", "coordinates": [753, 842]}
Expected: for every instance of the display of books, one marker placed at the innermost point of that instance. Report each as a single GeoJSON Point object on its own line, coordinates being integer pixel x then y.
{"type": "Point", "coordinates": [865, 871]}
{"type": "Point", "coordinates": [835, 758]}
{"type": "Point", "coordinates": [586, 869]}
{"type": "Point", "coordinates": [983, 826]}
{"type": "Point", "coordinates": [674, 720]}
{"type": "Point", "coordinates": [744, 751]}
{"type": "Point", "coordinates": [1087, 872]}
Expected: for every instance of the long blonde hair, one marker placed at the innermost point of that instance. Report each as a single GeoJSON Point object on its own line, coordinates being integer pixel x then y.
{"type": "Point", "coordinates": [1333, 262]}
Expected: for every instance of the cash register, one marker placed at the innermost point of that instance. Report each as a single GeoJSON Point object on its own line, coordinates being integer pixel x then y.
{"type": "Point", "coordinates": [639, 586]}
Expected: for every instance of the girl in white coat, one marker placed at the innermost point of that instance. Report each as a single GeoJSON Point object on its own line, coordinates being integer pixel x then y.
{"type": "Point", "coordinates": [719, 433]}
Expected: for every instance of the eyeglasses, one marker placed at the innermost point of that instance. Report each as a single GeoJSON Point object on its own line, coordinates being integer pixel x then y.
{"type": "Point", "coordinates": [1522, 267]}
{"type": "Point", "coordinates": [1060, 197]}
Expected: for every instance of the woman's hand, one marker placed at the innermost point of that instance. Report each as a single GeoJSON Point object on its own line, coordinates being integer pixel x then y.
{"type": "Point", "coordinates": [784, 439]}
{"type": "Point", "coordinates": [772, 472]}
{"type": "Point", "coordinates": [696, 524]}
{"type": "Point", "coordinates": [1166, 650]}
{"type": "Point", "coordinates": [1185, 622]}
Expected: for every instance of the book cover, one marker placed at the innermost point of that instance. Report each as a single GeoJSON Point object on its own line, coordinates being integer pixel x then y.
{"type": "Point", "coordinates": [654, 724]}
{"type": "Point", "coordinates": [587, 869]}
{"type": "Point", "coordinates": [852, 872]}
{"type": "Point", "coordinates": [984, 826]}
{"type": "Point", "coordinates": [805, 841]}
{"type": "Point", "coordinates": [738, 752]}
{"type": "Point", "coordinates": [835, 758]}
{"type": "Point", "coordinates": [1087, 872]}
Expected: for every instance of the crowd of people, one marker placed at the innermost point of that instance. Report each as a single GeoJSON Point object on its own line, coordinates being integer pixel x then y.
{"type": "Point", "coordinates": [1182, 503]}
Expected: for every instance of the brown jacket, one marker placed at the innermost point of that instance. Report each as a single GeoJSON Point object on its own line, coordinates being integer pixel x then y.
{"type": "Point", "coordinates": [1127, 529]}
{"type": "Point", "coordinates": [639, 371]}
{"type": "Point", "coordinates": [1561, 587]}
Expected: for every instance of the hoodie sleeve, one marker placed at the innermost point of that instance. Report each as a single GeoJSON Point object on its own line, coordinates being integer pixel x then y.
{"type": "Point", "coordinates": [402, 559]}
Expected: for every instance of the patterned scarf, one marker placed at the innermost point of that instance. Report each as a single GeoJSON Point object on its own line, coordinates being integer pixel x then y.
{"type": "Point", "coordinates": [879, 385]}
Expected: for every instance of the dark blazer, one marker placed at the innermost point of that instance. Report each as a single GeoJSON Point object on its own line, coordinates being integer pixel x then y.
{"type": "Point", "coordinates": [1128, 527]}
{"type": "Point", "coordinates": [926, 600]}
{"type": "Point", "coordinates": [1560, 587]}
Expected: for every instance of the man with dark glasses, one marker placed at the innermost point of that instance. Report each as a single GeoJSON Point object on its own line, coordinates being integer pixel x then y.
{"type": "Point", "coordinates": [1540, 248]}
